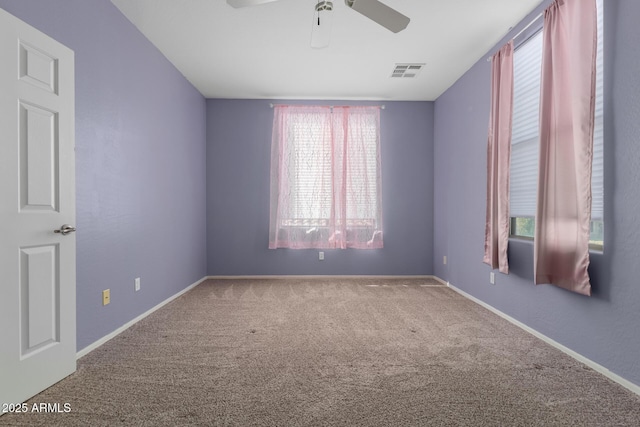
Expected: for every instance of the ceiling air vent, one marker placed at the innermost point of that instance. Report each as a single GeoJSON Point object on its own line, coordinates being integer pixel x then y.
{"type": "Point", "coordinates": [407, 70]}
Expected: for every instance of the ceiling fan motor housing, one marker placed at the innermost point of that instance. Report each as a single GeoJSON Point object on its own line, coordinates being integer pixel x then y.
{"type": "Point", "coordinates": [324, 5]}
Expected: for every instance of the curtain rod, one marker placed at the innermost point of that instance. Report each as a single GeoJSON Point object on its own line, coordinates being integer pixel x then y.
{"type": "Point", "coordinates": [331, 106]}
{"type": "Point", "coordinates": [533, 21]}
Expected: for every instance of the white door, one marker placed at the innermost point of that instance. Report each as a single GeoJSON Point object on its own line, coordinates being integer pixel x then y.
{"type": "Point", "coordinates": [37, 196]}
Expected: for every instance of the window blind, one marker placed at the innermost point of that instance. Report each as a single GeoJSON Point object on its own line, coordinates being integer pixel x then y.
{"type": "Point", "coordinates": [597, 170]}
{"type": "Point", "coordinates": [314, 159]}
{"type": "Point", "coordinates": [310, 159]}
{"type": "Point", "coordinates": [525, 127]}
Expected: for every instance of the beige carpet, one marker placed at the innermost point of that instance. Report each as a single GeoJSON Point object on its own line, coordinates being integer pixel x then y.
{"type": "Point", "coordinates": [317, 352]}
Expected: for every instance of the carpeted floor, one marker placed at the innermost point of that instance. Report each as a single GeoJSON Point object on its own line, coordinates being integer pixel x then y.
{"type": "Point", "coordinates": [340, 352]}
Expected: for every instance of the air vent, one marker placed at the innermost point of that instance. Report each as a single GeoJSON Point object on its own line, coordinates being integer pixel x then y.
{"type": "Point", "coordinates": [407, 70]}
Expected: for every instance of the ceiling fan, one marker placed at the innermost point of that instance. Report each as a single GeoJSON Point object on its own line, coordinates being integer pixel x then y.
{"type": "Point", "coordinates": [378, 12]}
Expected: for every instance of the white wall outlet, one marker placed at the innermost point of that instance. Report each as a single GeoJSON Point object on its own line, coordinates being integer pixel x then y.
{"type": "Point", "coordinates": [136, 284]}
{"type": "Point", "coordinates": [492, 278]}
{"type": "Point", "coordinates": [321, 256]}
{"type": "Point", "coordinates": [444, 260]}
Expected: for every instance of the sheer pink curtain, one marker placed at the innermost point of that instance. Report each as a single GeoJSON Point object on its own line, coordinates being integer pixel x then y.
{"type": "Point", "coordinates": [561, 246]}
{"type": "Point", "coordinates": [325, 178]}
{"type": "Point", "coordinates": [496, 236]}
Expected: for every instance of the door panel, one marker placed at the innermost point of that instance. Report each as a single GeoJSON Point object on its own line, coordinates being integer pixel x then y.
{"type": "Point", "coordinates": [37, 196]}
{"type": "Point", "coordinates": [39, 289]}
{"type": "Point", "coordinates": [38, 68]}
{"type": "Point", "coordinates": [38, 158]}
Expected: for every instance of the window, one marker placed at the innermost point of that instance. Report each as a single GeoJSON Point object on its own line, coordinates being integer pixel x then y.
{"type": "Point", "coordinates": [524, 140]}
{"type": "Point", "coordinates": [325, 178]}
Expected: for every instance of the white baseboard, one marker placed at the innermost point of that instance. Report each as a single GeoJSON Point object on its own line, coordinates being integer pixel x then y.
{"type": "Point", "coordinates": [437, 279]}
{"type": "Point", "coordinates": [580, 358]}
{"type": "Point", "coordinates": [329, 276]}
{"type": "Point", "coordinates": [132, 322]}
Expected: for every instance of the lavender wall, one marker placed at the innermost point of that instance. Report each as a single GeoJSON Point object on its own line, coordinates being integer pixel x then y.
{"type": "Point", "coordinates": [140, 170]}
{"type": "Point", "coordinates": [141, 175]}
{"type": "Point", "coordinates": [238, 153]}
{"type": "Point", "coordinates": [604, 328]}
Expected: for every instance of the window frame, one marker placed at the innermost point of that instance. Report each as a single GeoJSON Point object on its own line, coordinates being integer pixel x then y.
{"type": "Point", "coordinates": [596, 245]}
{"type": "Point", "coordinates": [514, 235]}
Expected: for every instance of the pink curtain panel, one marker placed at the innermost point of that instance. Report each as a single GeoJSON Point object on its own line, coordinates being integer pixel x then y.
{"type": "Point", "coordinates": [561, 245]}
{"type": "Point", "coordinates": [325, 178]}
{"type": "Point", "coordinates": [496, 237]}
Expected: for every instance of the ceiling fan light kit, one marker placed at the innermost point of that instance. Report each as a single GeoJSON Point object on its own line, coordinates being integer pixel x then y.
{"type": "Point", "coordinates": [375, 10]}
{"type": "Point", "coordinates": [321, 25]}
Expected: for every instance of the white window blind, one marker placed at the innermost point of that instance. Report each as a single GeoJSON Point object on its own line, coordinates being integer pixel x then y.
{"type": "Point", "coordinates": [527, 62]}
{"type": "Point", "coordinates": [314, 160]}
{"type": "Point", "coordinates": [597, 170]}
{"type": "Point", "coordinates": [525, 127]}
{"type": "Point", "coordinates": [311, 168]}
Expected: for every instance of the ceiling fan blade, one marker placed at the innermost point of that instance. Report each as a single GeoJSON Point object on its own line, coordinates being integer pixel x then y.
{"type": "Point", "coordinates": [389, 18]}
{"type": "Point", "coordinates": [245, 3]}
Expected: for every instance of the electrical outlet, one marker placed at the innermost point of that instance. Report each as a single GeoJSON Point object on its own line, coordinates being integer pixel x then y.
{"type": "Point", "coordinates": [492, 278]}
{"type": "Point", "coordinates": [321, 256]}
{"type": "Point", "coordinates": [106, 296]}
{"type": "Point", "coordinates": [444, 260]}
{"type": "Point", "coordinates": [137, 284]}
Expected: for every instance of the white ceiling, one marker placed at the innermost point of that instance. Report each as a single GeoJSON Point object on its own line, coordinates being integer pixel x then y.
{"type": "Point", "coordinates": [263, 52]}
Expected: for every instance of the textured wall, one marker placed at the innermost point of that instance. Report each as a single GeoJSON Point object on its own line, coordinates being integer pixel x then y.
{"type": "Point", "coordinates": [140, 171]}
{"type": "Point", "coordinates": [238, 156]}
{"type": "Point", "coordinates": [603, 328]}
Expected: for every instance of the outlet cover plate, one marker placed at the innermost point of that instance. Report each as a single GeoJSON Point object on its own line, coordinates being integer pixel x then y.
{"type": "Point", "coordinates": [106, 296]}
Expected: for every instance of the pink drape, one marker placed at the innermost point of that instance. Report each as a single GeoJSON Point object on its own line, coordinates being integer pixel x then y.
{"type": "Point", "coordinates": [325, 178]}
{"type": "Point", "coordinates": [496, 236]}
{"type": "Point", "coordinates": [567, 101]}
